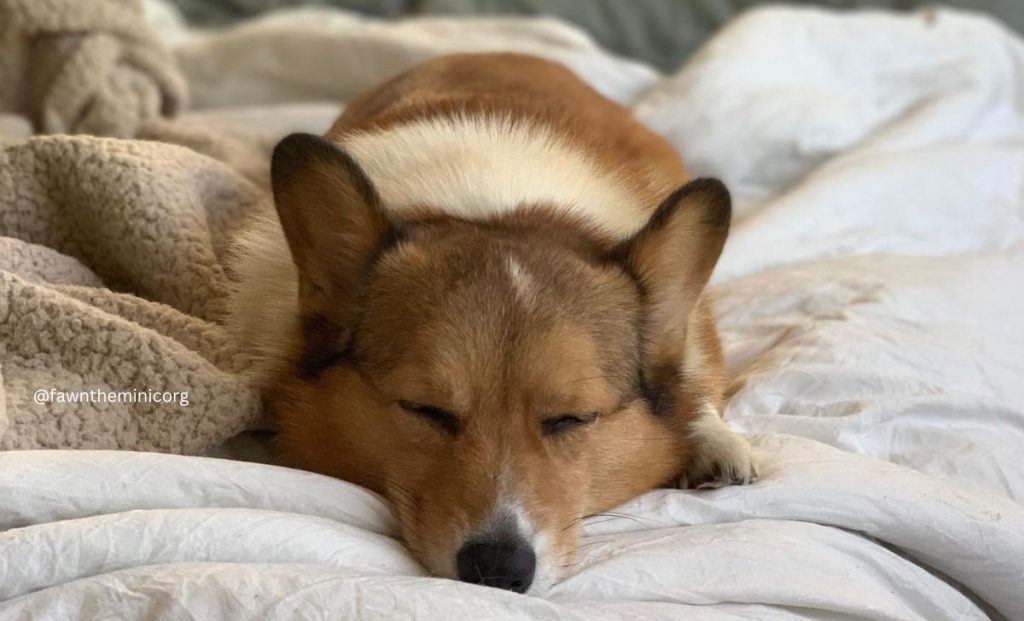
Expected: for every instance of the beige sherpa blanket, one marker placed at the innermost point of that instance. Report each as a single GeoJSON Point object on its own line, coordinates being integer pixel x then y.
{"type": "Point", "coordinates": [84, 66]}
{"type": "Point", "coordinates": [111, 251]}
{"type": "Point", "coordinates": [111, 285]}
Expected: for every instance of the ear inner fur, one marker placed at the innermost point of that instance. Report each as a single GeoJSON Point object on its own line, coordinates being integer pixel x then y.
{"type": "Point", "coordinates": [335, 227]}
{"type": "Point", "coordinates": [672, 258]}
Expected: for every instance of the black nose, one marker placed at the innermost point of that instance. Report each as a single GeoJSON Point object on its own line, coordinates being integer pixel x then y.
{"type": "Point", "coordinates": [507, 564]}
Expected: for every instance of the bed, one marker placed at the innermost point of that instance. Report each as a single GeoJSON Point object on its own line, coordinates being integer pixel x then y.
{"type": "Point", "coordinates": [870, 300]}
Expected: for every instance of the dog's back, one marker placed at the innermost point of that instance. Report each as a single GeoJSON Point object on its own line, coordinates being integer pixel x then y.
{"type": "Point", "coordinates": [479, 134]}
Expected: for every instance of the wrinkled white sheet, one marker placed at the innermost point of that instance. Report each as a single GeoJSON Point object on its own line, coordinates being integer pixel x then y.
{"type": "Point", "coordinates": [871, 294]}
{"type": "Point", "coordinates": [164, 536]}
{"type": "Point", "coordinates": [871, 298]}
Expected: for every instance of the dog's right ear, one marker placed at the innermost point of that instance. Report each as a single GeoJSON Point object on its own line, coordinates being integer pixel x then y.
{"type": "Point", "coordinates": [332, 218]}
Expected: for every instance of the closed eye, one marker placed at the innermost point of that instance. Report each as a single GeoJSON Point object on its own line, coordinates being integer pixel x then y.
{"type": "Point", "coordinates": [445, 420]}
{"type": "Point", "coordinates": [564, 423]}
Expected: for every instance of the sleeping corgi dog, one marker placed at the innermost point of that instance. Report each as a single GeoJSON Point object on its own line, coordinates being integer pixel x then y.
{"type": "Point", "coordinates": [482, 297]}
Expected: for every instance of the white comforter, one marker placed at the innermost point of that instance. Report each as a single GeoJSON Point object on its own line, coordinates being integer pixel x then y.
{"type": "Point", "coordinates": [871, 298]}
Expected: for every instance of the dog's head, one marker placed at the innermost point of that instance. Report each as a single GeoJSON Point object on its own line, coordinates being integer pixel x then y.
{"type": "Point", "coordinates": [496, 380]}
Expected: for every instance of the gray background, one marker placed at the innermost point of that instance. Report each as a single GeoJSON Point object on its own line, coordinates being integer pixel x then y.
{"type": "Point", "coordinates": [660, 32]}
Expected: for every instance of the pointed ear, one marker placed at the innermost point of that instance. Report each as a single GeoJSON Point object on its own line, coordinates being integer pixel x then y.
{"type": "Point", "coordinates": [672, 257]}
{"type": "Point", "coordinates": [335, 226]}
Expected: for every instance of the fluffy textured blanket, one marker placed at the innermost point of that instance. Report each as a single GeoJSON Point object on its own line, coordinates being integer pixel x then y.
{"type": "Point", "coordinates": [111, 280]}
{"type": "Point", "coordinates": [870, 298]}
{"type": "Point", "coordinates": [84, 67]}
{"type": "Point", "coordinates": [111, 251]}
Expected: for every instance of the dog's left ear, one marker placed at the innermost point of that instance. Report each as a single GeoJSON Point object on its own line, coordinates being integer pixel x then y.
{"type": "Point", "coordinates": [672, 257]}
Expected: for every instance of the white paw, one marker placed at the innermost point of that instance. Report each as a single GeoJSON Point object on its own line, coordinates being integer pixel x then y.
{"type": "Point", "coordinates": [719, 456]}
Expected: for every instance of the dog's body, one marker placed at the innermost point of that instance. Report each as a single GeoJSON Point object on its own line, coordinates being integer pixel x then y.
{"type": "Point", "coordinates": [486, 304]}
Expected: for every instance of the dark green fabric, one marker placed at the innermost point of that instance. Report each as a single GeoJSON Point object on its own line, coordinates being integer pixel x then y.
{"type": "Point", "coordinates": [223, 12]}
{"type": "Point", "coordinates": [665, 32]}
{"type": "Point", "coordinates": [660, 32]}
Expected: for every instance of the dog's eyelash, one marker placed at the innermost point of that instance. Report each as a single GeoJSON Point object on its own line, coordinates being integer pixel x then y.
{"type": "Point", "coordinates": [444, 419]}
{"type": "Point", "coordinates": [556, 425]}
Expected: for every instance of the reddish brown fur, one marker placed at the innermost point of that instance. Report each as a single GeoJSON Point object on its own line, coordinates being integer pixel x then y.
{"type": "Point", "coordinates": [433, 319]}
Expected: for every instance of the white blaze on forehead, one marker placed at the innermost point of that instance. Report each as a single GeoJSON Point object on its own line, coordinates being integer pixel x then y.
{"type": "Point", "coordinates": [522, 281]}
{"type": "Point", "coordinates": [481, 166]}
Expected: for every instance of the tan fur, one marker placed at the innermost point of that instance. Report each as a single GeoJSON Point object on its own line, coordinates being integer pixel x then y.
{"type": "Point", "coordinates": [506, 322]}
{"type": "Point", "coordinates": [526, 88]}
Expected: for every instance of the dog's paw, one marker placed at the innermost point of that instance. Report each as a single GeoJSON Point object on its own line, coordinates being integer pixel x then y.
{"type": "Point", "coordinates": [719, 456]}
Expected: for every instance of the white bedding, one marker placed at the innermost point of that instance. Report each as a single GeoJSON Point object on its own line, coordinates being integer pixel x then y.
{"type": "Point", "coordinates": [871, 298]}
{"type": "Point", "coordinates": [163, 536]}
